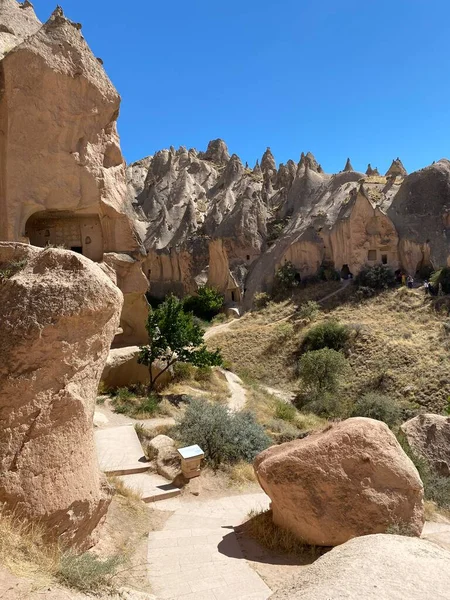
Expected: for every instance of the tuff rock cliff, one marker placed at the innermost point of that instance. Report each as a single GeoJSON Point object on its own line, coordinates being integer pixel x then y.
{"type": "Point", "coordinates": [205, 218]}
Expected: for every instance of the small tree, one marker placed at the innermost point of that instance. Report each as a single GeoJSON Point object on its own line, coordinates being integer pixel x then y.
{"type": "Point", "coordinates": [378, 406]}
{"type": "Point", "coordinates": [174, 337]}
{"type": "Point", "coordinates": [287, 277]}
{"type": "Point", "coordinates": [205, 304]}
{"type": "Point", "coordinates": [321, 369]}
{"type": "Point", "coordinates": [442, 277]}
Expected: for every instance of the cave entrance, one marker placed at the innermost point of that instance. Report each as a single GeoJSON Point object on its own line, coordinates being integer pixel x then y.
{"type": "Point", "coordinates": [345, 272]}
{"type": "Point", "coordinates": [384, 259]}
{"type": "Point", "coordinates": [66, 229]}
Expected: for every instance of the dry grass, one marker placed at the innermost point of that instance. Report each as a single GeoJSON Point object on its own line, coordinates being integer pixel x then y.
{"type": "Point", "coordinates": [121, 489]}
{"type": "Point", "coordinates": [241, 474]}
{"type": "Point", "coordinates": [261, 528]}
{"type": "Point", "coordinates": [399, 346]}
{"type": "Point", "coordinates": [24, 552]}
{"type": "Point", "coordinates": [212, 386]}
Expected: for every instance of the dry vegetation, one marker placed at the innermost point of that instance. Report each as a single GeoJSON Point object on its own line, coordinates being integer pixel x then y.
{"type": "Point", "coordinates": [399, 345]}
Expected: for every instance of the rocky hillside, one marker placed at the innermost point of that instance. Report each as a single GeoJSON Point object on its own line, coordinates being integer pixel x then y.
{"type": "Point", "coordinates": [206, 217]}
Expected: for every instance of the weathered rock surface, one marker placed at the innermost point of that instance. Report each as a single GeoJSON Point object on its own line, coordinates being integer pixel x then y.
{"type": "Point", "coordinates": [351, 479]}
{"type": "Point", "coordinates": [122, 369]}
{"type": "Point", "coordinates": [65, 181]}
{"type": "Point", "coordinates": [17, 22]}
{"type": "Point", "coordinates": [429, 437]}
{"type": "Point", "coordinates": [58, 315]}
{"type": "Point", "coordinates": [374, 567]}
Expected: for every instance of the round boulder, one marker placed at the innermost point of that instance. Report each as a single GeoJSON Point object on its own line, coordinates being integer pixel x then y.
{"type": "Point", "coordinates": [429, 437]}
{"type": "Point", "coordinates": [350, 479]}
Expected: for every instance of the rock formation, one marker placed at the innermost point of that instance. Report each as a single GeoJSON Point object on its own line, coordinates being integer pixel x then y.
{"type": "Point", "coordinates": [372, 172]}
{"type": "Point", "coordinates": [204, 218]}
{"type": "Point", "coordinates": [429, 438]}
{"type": "Point", "coordinates": [374, 567]}
{"type": "Point", "coordinates": [351, 479]}
{"type": "Point", "coordinates": [348, 166]}
{"type": "Point", "coordinates": [396, 169]}
{"type": "Point", "coordinates": [65, 180]}
{"type": "Point", "coordinates": [58, 315]}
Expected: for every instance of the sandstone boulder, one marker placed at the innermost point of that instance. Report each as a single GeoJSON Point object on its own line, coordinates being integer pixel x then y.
{"type": "Point", "coordinates": [168, 461]}
{"type": "Point", "coordinates": [351, 479]}
{"type": "Point", "coordinates": [58, 314]}
{"type": "Point", "coordinates": [374, 567]}
{"type": "Point", "coordinates": [429, 437]}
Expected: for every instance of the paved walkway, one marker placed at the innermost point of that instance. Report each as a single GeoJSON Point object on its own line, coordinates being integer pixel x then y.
{"type": "Point", "coordinates": [197, 556]}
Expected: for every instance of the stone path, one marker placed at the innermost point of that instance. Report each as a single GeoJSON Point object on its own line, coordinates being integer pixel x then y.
{"type": "Point", "coordinates": [197, 556]}
{"type": "Point", "coordinates": [119, 450]}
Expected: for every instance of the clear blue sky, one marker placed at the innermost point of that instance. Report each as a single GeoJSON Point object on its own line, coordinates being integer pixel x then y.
{"type": "Point", "coordinates": [369, 80]}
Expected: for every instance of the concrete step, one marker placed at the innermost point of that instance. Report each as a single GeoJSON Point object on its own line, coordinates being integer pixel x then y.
{"type": "Point", "coordinates": [150, 486]}
{"type": "Point", "coordinates": [119, 451]}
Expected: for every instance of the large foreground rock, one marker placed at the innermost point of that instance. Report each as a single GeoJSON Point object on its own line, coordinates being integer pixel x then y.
{"type": "Point", "coordinates": [351, 479]}
{"type": "Point", "coordinates": [375, 567]}
{"type": "Point", "coordinates": [429, 437]}
{"type": "Point", "coordinates": [58, 315]}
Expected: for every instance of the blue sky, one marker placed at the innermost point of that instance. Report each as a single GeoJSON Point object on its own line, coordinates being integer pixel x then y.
{"type": "Point", "coordinates": [369, 80]}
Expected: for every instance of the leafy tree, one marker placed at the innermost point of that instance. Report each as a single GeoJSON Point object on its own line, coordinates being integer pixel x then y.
{"type": "Point", "coordinates": [205, 304]}
{"type": "Point", "coordinates": [321, 369]}
{"type": "Point", "coordinates": [329, 334]}
{"type": "Point", "coordinates": [287, 277]}
{"type": "Point", "coordinates": [174, 337]}
{"type": "Point", "coordinates": [376, 277]}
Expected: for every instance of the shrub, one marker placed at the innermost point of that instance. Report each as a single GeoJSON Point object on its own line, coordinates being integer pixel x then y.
{"type": "Point", "coordinates": [376, 277]}
{"type": "Point", "coordinates": [183, 371]}
{"type": "Point", "coordinates": [309, 311]}
{"type": "Point", "coordinates": [9, 269]}
{"type": "Point", "coordinates": [325, 404]}
{"type": "Point", "coordinates": [321, 369]}
{"type": "Point", "coordinates": [220, 318]}
{"type": "Point", "coordinates": [87, 572]}
{"type": "Point", "coordinates": [284, 330]}
{"type": "Point", "coordinates": [327, 272]}
{"type": "Point", "coordinates": [224, 437]}
{"type": "Point", "coordinates": [287, 277]}
{"type": "Point", "coordinates": [148, 405]}
{"type": "Point", "coordinates": [205, 304]}
{"type": "Point", "coordinates": [203, 374]}
{"type": "Point", "coordinates": [442, 277]}
{"type": "Point", "coordinates": [378, 406]}
{"type": "Point", "coordinates": [284, 410]}
{"type": "Point", "coordinates": [329, 334]}
{"type": "Point", "coordinates": [261, 300]}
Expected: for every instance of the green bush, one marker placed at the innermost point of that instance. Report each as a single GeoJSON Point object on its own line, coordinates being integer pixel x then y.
{"type": "Point", "coordinates": [224, 437]}
{"type": "Point", "coordinates": [442, 277]}
{"type": "Point", "coordinates": [329, 334]}
{"type": "Point", "coordinates": [324, 404]}
{"type": "Point", "coordinates": [320, 370]}
{"type": "Point", "coordinates": [203, 374]}
{"type": "Point", "coordinates": [282, 431]}
{"type": "Point", "coordinates": [284, 331]}
{"type": "Point", "coordinates": [327, 272]}
{"type": "Point", "coordinates": [287, 277]}
{"type": "Point", "coordinates": [183, 371]}
{"type": "Point", "coordinates": [284, 410]}
{"type": "Point", "coordinates": [87, 572]}
{"type": "Point", "coordinates": [149, 405]}
{"type": "Point", "coordinates": [378, 406]}
{"type": "Point", "coordinates": [205, 304]}
{"type": "Point", "coordinates": [220, 318]}
{"type": "Point", "coordinates": [309, 311]}
{"type": "Point", "coordinates": [261, 300]}
{"type": "Point", "coordinates": [376, 277]}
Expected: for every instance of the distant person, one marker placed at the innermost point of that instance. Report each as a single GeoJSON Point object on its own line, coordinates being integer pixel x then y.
{"type": "Point", "coordinates": [426, 286]}
{"type": "Point", "coordinates": [403, 279]}
{"type": "Point", "coordinates": [410, 282]}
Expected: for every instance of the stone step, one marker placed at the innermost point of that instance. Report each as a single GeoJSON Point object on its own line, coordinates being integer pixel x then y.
{"type": "Point", "coordinates": [150, 486]}
{"type": "Point", "coordinates": [119, 451]}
